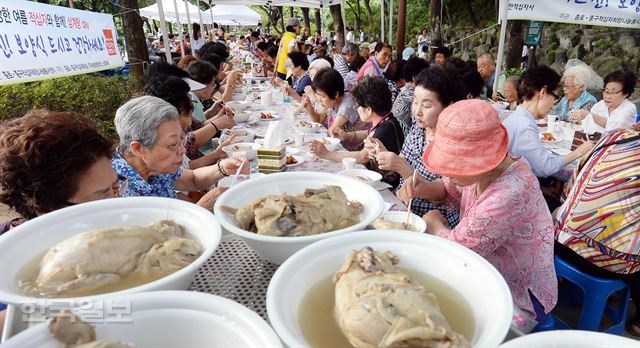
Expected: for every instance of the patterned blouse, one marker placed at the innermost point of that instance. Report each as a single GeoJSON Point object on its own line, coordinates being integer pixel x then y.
{"type": "Point", "coordinates": [159, 185]}
{"type": "Point", "coordinates": [599, 218]}
{"type": "Point", "coordinates": [412, 151]}
{"type": "Point", "coordinates": [402, 108]}
{"type": "Point", "coordinates": [509, 225]}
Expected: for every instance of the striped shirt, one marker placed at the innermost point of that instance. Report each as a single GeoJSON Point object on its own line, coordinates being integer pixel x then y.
{"type": "Point", "coordinates": [524, 141]}
{"type": "Point", "coordinates": [412, 151]}
{"type": "Point", "coordinates": [340, 65]}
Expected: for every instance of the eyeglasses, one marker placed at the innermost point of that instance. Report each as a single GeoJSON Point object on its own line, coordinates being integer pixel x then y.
{"type": "Point", "coordinates": [568, 87]}
{"type": "Point", "coordinates": [176, 147]}
{"type": "Point", "coordinates": [556, 98]}
{"type": "Point", "coordinates": [604, 91]}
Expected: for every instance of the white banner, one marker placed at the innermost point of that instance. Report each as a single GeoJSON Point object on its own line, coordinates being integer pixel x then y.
{"type": "Point", "coordinates": [39, 41]}
{"type": "Point", "coordinates": [609, 13]}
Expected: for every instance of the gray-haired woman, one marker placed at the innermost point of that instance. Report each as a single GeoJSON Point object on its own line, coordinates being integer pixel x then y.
{"type": "Point", "coordinates": [151, 151]}
{"type": "Point", "coordinates": [576, 97]}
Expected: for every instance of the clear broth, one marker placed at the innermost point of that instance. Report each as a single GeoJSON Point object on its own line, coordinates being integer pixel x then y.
{"type": "Point", "coordinates": [320, 328]}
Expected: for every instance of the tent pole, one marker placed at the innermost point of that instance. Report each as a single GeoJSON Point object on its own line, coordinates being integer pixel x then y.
{"type": "Point", "coordinates": [189, 28]}
{"type": "Point", "coordinates": [175, 6]}
{"type": "Point", "coordinates": [163, 28]}
{"type": "Point", "coordinates": [504, 8]}
{"type": "Point", "coordinates": [201, 24]}
{"type": "Point", "coordinates": [381, 20]}
{"type": "Point", "coordinates": [391, 22]}
{"type": "Point", "coordinates": [211, 15]}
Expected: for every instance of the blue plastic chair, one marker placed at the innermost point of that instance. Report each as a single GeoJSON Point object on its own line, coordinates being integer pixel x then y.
{"type": "Point", "coordinates": [593, 292]}
{"type": "Point", "coordinates": [638, 117]}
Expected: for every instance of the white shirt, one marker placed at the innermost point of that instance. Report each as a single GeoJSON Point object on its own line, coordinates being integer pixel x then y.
{"type": "Point", "coordinates": [623, 115]}
{"type": "Point", "coordinates": [350, 37]}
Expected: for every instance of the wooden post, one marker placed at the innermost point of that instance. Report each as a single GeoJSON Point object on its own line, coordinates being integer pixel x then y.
{"type": "Point", "coordinates": [402, 18]}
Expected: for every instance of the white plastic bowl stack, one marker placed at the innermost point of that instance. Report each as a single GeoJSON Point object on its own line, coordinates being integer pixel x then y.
{"type": "Point", "coordinates": [475, 279]}
{"type": "Point", "coordinates": [33, 238]}
{"type": "Point", "coordinates": [277, 249]}
{"type": "Point", "coordinates": [246, 150]}
{"type": "Point", "coordinates": [196, 320]}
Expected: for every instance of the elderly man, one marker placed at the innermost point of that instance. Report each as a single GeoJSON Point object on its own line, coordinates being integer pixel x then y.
{"type": "Point", "coordinates": [287, 44]}
{"type": "Point", "coordinates": [364, 50]}
{"type": "Point", "coordinates": [487, 69]}
{"type": "Point", "coordinates": [343, 57]}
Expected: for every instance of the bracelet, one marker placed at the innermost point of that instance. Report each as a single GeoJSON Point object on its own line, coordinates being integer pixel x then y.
{"type": "Point", "coordinates": [222, 171]}
{"type": "Point", "coordinates": [214, 126]}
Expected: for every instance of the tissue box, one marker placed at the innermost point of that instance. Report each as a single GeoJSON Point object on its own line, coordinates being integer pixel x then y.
{"type": "Point", "coordinates": [272, 151]}
{"type": "Point", "coordinates": [271, 159]}
{"type": "Point", "coordinates": [269, 170]}
{"type": "Point", "coordinates": [271, 162]}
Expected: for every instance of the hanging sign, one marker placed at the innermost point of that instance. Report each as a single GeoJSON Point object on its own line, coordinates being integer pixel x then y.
{"type": "Point", "coordinates": [534, 32]}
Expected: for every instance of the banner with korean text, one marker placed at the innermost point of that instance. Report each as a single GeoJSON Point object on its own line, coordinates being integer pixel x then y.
{"type": "Point", "coordinates": [610, 13]}
{"type": "Point", "coordinates": [39, 41]}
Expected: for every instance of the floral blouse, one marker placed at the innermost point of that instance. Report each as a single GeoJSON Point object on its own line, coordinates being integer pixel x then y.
{"type": "Point", "coordinates": [509, 225]}
{"type": "Point", "coordinates": [159, 185]}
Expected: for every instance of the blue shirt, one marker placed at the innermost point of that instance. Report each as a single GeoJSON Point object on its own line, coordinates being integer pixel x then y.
{"type": "Point", "coordinates": [412, 150]}
{"type": "Point", "coordinates": [301, 83]}
{"type": "Point", "coordinates": [585, 101]}
{"type": "Point", "coordinates": [159, 185]}
{"type": "Point", "coordinates": [524, 140]}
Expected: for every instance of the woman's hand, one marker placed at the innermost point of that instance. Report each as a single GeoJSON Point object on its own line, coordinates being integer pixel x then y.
{"type": "Point", "coordinates": [307, 104]}
{"type": "Point", "coordinates": [435, 221]}
{"type": "Point", "coordinates": [318, 149]}
{"type": "Point", "coordinates": [228, 141]}
{"type": "Point", "coordinates": [388, 160]}
{"type": "Point", "coordinates": [578, 115]}
{"type": "Point", "coordinates": [290, 91]}
{"type": "Point", "coordinates": [584, 148]}
{"type": "Point", "coordinates": [231, 165]}
{"type": "Point", "coordinates": [209, 199]}
{"type": "Point", "coordinates": [408, 190]}
{"type": "Point", "coordinates": [373, 146]}
{"type": "Point", "coordinates": [224, 121]}
{"type": "Point", "coordinates": [340, 134]}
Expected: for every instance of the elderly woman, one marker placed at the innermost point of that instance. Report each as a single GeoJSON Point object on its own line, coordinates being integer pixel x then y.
{"type": "Point", "coordinates": [537, 91]}
{"type": "Point", "coordinates": [51, 160]}
{"type": "Point", "coordinates": [511, 91]}
{"type": "Point", "coordinates": [299, 65]}
{"type": "Point", "coordinates": [373, 102]}
{"type": "Point", "coordinates": [151, 151]}
{"type": "Point", "coordinates": [576, 96]}
{"type": "Point", "coordinates": [377, 63]}
{"type": "Point", "coordinates": [341, 112]}
{"type": "Point", "coordinates": [402, 104]}
{"type": "Point", "coordinates": [615, 110]}
{"type": "Point", "coordinates": [599, 234]}
{"type": "Point", "coordinates": [436, 87]}
{"type": "Point", "coordinates": [504, 215]}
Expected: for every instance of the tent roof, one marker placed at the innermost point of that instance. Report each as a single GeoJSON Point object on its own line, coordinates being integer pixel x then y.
{"type": "Point", "coordinates": [235, 15]}
{"type": "Point", "coordinates": [295, 3]}
{"type": "Point", "coordinates": [222, 14]}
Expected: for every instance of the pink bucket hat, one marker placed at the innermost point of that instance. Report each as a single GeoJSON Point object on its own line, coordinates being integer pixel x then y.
{"type": "Point", "coordinates": [469, 140]}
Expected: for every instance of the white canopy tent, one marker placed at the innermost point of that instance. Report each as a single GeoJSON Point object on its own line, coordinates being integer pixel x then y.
{"type": "Point", "coordinates": [295, 3]}
{"type": "Point", "coordinates": [235, 15]}
{"type": "Point", "coordinates": [153, 12]}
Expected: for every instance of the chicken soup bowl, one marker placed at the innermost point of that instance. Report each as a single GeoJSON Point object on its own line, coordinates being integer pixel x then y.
{"type": "Point", "coordinates": [463, 277]}
{"type": "Point", "coordinates": [29, 241]}
{"type": "Point", "coordinates": [277, 249]}
{"type": "Point", "coordinates": [197, 320]}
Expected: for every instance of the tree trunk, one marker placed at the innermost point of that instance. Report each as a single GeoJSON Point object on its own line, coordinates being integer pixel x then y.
{"type": "Point", "coordinates": [514, 43]}
{"type": "Point", "coordinates": [305, 18]}
{"type": "Point", "coordinates": [336, 14]}
{"type": "Point", "coordinates": [402, 18]}
{"type": "Point", "coordinates": [291, 15]}
{"type": "Point", "coordinates": [367, 5]}
{"type": "Point", "coordinates": [281, 12]}
{"type": "Point", "coordinates": [356, 14]}
{"type": "Point", "coordinates": [136, 43]}
{"type": "Point", "coordinates": [533, 61]}
{"type": "Point", "coordinates": [472, 16]}
{"type": "Point", "coordinates": [318, 19]}
{"type": "Point", "coordinates": [436, 31]}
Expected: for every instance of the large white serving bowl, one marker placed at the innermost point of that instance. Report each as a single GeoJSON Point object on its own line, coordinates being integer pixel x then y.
{"type": "Point", "coordinates": [33, 238]}
{"type": "Point", "coordinates": [277, 249]}
{"type": "Point", "coordinates": [169, 319]}
{"type": "Point", "coordinates": [571, 338]}
{"type": "Point", "coordinates": [477, 281]}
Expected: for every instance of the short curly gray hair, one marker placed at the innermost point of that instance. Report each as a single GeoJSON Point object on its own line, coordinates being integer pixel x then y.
{"type": "Point", "coordinates": [580, 75]}
{"type": "Point", "coordinates": [139, 118]}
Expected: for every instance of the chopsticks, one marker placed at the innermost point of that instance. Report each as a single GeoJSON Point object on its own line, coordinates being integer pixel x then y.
{"type": "Point", "coordinates": [235, 177]}
{"type": "Point", "coordinates": [413, 183]}
{"type": "Point", "coordinates": [375, 147]}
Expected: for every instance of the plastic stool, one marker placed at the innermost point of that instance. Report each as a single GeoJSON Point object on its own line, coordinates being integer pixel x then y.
{"type": "Point", "coordinates": [596, 292]}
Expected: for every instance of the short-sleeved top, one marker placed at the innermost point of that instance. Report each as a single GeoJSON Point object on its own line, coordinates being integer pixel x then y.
{"type": "Point", "coordinates": [412, 150]}
{"type": "Point", "coordinates": [389, 132]}
{"type": "Point", "coordinates": [402, 108]}
{"type": "Point", "coordinates": [524, 140]}
{"type": "Point", "coordinates": [159, 185]}
{"type": "Point", "coordinates": [198, 108]}
{"type": "Point", "coordinates": [370, 68]}
{"type": "Point", "coordinates": [302, 82]}
{"type": "Point", "coordinates": [346, 109]}
{"type": "Point", "coordinates": [623, 115]}
{"type": "Point", "coordinates": [509, 225]}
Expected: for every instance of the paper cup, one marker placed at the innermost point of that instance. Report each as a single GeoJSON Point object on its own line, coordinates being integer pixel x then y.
{"type": "Point", "coordinates": [349, 163]}
{"type": "Point", "coordinates": [299, 139]}
{"type": "Point", "coordinates": [267, 98]}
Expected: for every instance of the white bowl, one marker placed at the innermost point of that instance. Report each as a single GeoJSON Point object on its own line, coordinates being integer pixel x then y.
{"type": "Point", "coordinates": [474, 278]}
{"type": "Point", "coordinates": [197, 320]}
{"type": "Point", "coordinates": [242, 116]}
{"type": "Point", "coordinates": [33, 238]}
{"type": "Point", "coordinates": [238, 105]}
{"type": "Point", "coordinates": [247, 137]}
{"type": "Point", "coordinates": [570, 338]}
{"type": "Point", "coordinates": [226, 181]}
{"type": "Point", "coordinates": [330, 143]}
{"type": "Point", "coordinates": [360, 174]}
{"type": "Point", "coordinates": [313, 127]}
{"type": "Point", "coordinates": [239, 97]}
{"type": "Point", "coordinates": [246, 150]}
{"type": "Point", "coordinates": [277, 249]}
{"type": "Point", "coordinates": [418, 224]}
